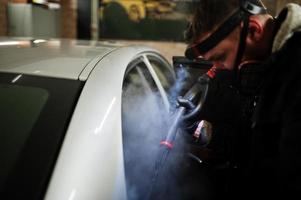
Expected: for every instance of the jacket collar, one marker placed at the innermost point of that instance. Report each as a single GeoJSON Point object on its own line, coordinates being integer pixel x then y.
{"type": "Point", "coordinates": [290, 18]}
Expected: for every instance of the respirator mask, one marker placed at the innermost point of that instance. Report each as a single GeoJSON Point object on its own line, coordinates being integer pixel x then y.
{"type": "Point", "coordinates": [244, 75]}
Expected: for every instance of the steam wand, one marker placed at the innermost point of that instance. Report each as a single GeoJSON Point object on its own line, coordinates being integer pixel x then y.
{"type": "Point", "coordinates": [186, 110]}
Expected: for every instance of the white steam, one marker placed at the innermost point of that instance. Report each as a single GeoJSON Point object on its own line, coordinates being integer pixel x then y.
{"type": "Point", "coordinates": [145, 123]}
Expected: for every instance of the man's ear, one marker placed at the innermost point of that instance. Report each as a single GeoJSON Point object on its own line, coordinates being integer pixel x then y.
{"type": "Point", "coordinates": [255, 33]}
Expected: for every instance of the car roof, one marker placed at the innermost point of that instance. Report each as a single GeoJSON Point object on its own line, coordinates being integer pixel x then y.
{"type": "Point", "coordinates": [61, 58]}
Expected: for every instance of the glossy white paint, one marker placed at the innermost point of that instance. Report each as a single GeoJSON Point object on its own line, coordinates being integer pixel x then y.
{"type": "Point", "coordinates": [90, 165]}
{"type": "Point", "coordinates": [54, 58]}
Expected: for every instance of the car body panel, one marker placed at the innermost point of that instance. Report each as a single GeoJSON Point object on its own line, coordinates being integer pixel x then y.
{"type": "Point", "coordinates": [52, 58]}
{"type": "Point", "coordinates": [87, 70]}
{"type": "Point", "coordinates": [92, 145]}
{"type": "Point", "coordinates": [90, 164]}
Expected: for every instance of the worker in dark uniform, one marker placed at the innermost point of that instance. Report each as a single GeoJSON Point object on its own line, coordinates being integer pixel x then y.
{"type": "Point", "coordinates": [263, 54]}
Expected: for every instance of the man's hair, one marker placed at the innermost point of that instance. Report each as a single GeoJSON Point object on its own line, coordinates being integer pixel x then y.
{"type": "Point", "coordinates": [209, 14]}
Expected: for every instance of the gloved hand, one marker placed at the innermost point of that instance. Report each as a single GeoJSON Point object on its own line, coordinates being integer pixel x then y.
{"type": "Point", "coordinates": [216, 124]}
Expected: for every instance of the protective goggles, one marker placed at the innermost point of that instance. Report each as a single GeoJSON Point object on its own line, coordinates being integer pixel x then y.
{"type": "Point", "coordinates": [242, 14]}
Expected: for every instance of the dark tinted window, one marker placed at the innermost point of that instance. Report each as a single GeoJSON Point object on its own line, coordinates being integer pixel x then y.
{"type": "Point", "coordinates": [34, 115]}
{"type": "Point", "coordinates": [20, 108]}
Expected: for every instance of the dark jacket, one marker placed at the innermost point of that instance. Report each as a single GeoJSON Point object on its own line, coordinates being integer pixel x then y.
{"type": "Point", "coordinates": [274, 167]}
{"type": "Point", "coordinates": [263, 146]}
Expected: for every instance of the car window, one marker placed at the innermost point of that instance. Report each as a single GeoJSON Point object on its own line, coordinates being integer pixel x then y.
{"type": "Point", "coordinates": [144, 123]}
{"type": "Point", "coordinates": [19, 107]}
{"type": "Point", "coordinates": [34, 115]}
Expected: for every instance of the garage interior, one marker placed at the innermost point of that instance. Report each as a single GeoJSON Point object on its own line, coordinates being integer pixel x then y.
{"type": "Point", "coordinates": [81, 19]}
{"type": "Point", "coordinates": [159, 24]}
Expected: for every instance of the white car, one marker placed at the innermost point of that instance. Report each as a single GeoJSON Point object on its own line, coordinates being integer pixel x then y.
{"type": "Point", "coordinates": [69, 113]}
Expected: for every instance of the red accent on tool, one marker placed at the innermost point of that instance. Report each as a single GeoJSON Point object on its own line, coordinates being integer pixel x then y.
{"type": "Point", "coordinates": [169, 145]}
{"type": "Point", "coordinates": [211, 72]}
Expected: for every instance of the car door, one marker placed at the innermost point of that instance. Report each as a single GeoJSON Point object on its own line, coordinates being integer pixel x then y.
{"type": "Point", "coordinates": [145, 112]}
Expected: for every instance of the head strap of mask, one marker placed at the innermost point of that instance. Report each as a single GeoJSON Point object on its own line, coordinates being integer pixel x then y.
{"type": "Point", "coordinates": [242, 14]}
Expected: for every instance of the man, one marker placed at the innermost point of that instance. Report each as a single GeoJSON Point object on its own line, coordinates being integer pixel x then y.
{"type": "Point", "coordinates": [264, 54]}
